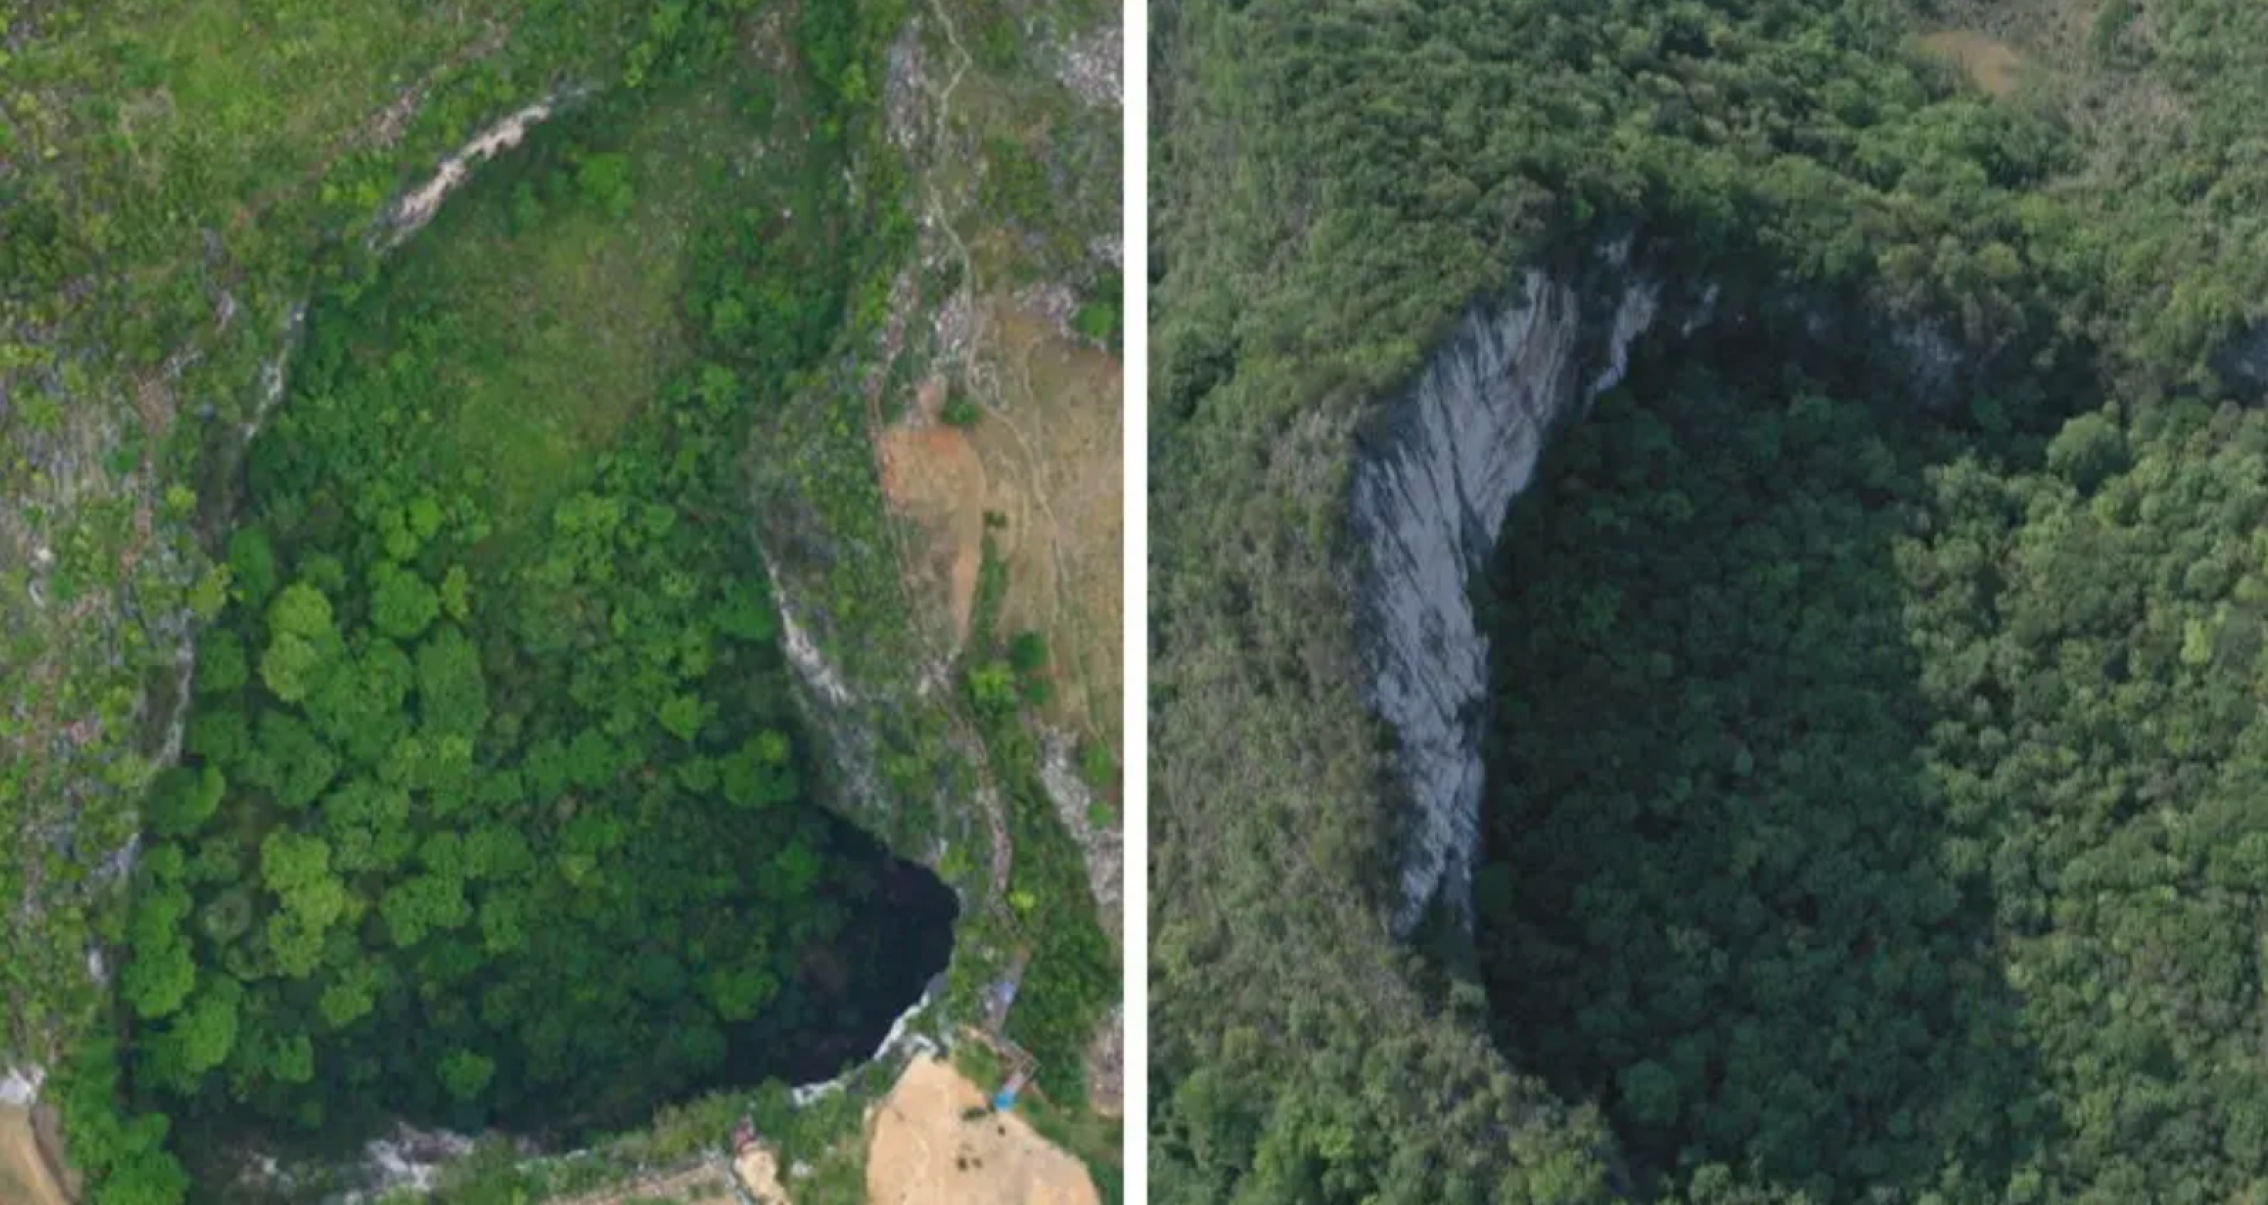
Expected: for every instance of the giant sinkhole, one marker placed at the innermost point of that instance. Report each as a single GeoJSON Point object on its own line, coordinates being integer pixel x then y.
{"type": "Point", "coordinates": [1723, 890]}
{"type": "Point", "coordinates": [495, 807]}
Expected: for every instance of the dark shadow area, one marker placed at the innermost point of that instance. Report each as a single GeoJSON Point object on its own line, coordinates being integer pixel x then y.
{"type": "Point", "coordinates": [1715, 894]}
{"type": "Point", "coordinates": [897, 938]}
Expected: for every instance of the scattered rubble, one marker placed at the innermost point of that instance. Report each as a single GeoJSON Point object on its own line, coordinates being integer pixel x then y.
{"type": "Point", "coordinates": [1091, 66]}
{"type": "Point", "coordinates": [408, 215]}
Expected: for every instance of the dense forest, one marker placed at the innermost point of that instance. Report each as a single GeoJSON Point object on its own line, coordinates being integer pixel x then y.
{"type": "Point", "coordinates": [1870, 807]}
{"type": "Point", "coordinates": [1875, 812]}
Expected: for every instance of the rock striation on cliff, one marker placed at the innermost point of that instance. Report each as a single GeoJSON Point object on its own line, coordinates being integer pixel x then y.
{"type": "Point", "coordinates": [1430, 495]}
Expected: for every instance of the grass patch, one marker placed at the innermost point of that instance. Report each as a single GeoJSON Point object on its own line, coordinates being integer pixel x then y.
{"type": "Point", "coordinates": [565, 303]}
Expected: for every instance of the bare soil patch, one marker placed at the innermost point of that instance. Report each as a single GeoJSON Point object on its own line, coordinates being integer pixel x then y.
{"type": "Point", "coordinates": [928, 1148]}
{"type": "Point", "coordinates": [1991, 64]}
{"type": "Point", "coordinates": [933, 475]}
{"type": "Point", "coordinates": [1058, 435]}
{"type": "Point", "coordinates": [26, 1176]}
{"type": "Point", "coordinates": [1045, 458]}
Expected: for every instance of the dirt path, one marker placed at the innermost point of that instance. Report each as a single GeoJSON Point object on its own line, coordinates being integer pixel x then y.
{"type": "Point", "coordinates": [410, 214]}
{"type": "Point", "coordinates": [26, 1177]}
{"type": "Point", "coordinates": [928, 1149]}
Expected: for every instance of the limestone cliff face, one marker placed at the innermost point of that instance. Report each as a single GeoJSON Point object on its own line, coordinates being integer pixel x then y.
{"type": "Point", "coordinates": [1430, 495]}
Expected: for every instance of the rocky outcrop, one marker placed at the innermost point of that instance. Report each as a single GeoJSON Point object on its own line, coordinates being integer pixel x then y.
{"type": "Point", "coordinates": [19, 1086]}
{"type": "Point", "coordinates": [409, 212]}
{"type": "Point", "coordinates": [407, 1161]}
{"type": "Point", "coordinates": [1430, 495]}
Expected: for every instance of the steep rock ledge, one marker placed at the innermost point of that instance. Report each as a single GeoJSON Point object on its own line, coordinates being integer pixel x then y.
{"type": "Point", "coordinates": [1431, 493]}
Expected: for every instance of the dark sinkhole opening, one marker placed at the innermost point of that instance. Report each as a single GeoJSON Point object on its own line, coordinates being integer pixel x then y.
{"type": "Point", "coordinates": [1724, 893]}
{"type": "Point", "coordinates": [633, 1026]}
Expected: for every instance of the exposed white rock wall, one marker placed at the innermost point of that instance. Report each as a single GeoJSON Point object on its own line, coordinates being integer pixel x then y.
{"type": "Point", "coordinates": [412, 210]}
{"type": "Point", "coordinates": [1429, 501]}
{"type": "Point", "coordinates": [274, 373]}
{"type": "Point", "coordinates": [803, 653]}
{"type": "Point", "coordinates": [19, 1086]}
